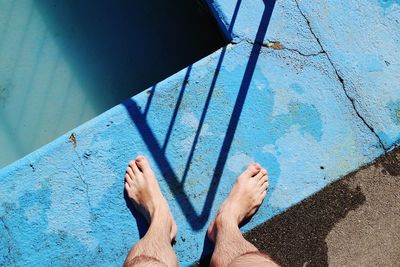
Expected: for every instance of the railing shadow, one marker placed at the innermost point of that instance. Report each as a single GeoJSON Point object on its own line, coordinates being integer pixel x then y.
{"type": "Point", "coordinates": [197, 221]}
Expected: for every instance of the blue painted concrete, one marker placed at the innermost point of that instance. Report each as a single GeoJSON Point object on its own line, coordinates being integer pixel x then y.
{"type": "Point", "coordinates": [281, 104]}
{"type": "Point", "coordinates": [364, 48]}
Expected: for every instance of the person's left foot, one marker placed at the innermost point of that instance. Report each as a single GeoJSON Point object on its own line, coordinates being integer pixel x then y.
{"type": "Point", "coordinates": [244, 199]}
{"type": "Point", "coordinates": [143, 189]}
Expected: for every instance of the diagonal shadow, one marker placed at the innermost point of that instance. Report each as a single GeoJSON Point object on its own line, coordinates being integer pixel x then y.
{"type": "Point", "coordinates": [178, 104]}
{"type": "Point", "coordinates": [203, 115]}
{"type": "Point", "coordinates": [208, 99]}
{"type": "Point", "coordinates": [197, 221]}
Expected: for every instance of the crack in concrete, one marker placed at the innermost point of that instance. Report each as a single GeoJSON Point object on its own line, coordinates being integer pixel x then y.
{"type": "Point", "coordinates": [9, 243]}
{"type": "Point", "coordinates": [340, 79]}
{"type": "Point", "coordinates": [271, 45]}
{"type": "Point", "coordinates": [278, 46]}
{"type": "Point", "coordinates": [80, 176]}
{"type": "Point", "coordinates": [302, 54]}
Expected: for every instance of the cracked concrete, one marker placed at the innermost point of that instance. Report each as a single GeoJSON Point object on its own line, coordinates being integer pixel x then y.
{"type": "Point", "coordinates": [268, 45]}
{"type": "Point", "coordinates": [239, 37]}
{"type": "Point", "coordinates": [81, 174]}
{"type": "Point", "coordinates": [277, 45]}
{"type": "Point", "coordinates": [85, 184]}
{"type": "Point", "coordinates": [340, 79]}
{"type": "Point", "coordinates": [8, 237]}
{"type": "Point", "coordinates": [360, 47]}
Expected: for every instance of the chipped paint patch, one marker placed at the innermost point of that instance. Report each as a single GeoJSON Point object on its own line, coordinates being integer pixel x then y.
{"type": "Point", "coordinates": [238, 162]}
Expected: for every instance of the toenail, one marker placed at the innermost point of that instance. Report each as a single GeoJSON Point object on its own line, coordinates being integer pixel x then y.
{"type": "Point", "coordinates": [257, 165]}
{"type": "Point", "coordinates": [139, 158]}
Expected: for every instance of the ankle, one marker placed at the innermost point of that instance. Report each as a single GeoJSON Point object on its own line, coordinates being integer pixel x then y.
{"type": "Point", "coordinates": [159, 216]}
{"type": "Point", "coordinates": [162, 227]}
{"type": "Point", "coordinates": [226, 219]}
{"type": "Point", "coordinates": [157, 209]}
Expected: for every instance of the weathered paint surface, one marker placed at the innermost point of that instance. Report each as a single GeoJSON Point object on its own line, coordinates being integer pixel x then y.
{"type": "Point", "coordinates": [311, 99]}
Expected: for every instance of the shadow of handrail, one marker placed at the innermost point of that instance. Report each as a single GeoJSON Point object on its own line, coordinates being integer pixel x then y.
{"type": "Point", "coordinates": [178, 104]}
{"type": "Point", "coordinates": [197, 221]}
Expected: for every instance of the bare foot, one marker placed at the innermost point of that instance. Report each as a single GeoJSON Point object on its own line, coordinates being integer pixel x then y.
{"type": "Point", "coordinates": [244, 199]}
{"type": "Point", "coordinates": [143, 189]}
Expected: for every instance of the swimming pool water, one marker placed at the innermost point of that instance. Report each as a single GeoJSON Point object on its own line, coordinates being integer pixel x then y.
{"type": "Point", "coordinates": [64, 62]}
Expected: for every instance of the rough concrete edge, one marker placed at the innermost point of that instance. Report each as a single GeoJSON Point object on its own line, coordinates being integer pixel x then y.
{"type": "Point", "coordinates": [106, 115]}
{"type": "Point", "coordinates": [296, 219]}
{"type": "Point", "coordinates": [221, 22]}
{"type": "Point", "coordinates": [219, 18]}
{"type": "Point", "coordinates": [52, 145]}
{"type": "Point", "coordinates": [378, 160]}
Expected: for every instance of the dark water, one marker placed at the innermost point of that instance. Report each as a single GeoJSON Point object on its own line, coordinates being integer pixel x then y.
{"type": "Point", "coordinates": [64, 62]}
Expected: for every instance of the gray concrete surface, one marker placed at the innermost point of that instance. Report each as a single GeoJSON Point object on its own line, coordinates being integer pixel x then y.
{"type": "Point", "coordinates": [352, 222]}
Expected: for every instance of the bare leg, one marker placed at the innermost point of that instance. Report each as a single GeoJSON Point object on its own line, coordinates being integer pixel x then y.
{"type": "Point", "coordinates": [154, 249]}
{"type": "Point", "coordinates": [231, 249]}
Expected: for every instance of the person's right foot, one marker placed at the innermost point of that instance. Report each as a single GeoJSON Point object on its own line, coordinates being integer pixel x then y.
{"type": "Point", "coordinates": [142, 188]}
{"type": "Point", "coordinates": [244, 199]}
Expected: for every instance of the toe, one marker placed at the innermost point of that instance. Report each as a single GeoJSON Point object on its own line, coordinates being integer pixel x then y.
{"type": "Point", "coordinates": [253, 169]}
{"type": "Point", "coordinates": [128, 179]}
{"type": "Point", "coordinates": [134, 167]}
{"type": "Point", "coordinates": [129, 172]}
{"type": "Point", "coordinates": [264, 171]}
{"type": "Point", "coordinates": [143, 164]}
{"type": "Point", "coordinates": [264, 186]}
{"type": "Point", "coordinates": [263, 179]}
{"type": "Point", "coordinates": [260, 174]}
{"type": "Point", "coordinates": [127, 186]}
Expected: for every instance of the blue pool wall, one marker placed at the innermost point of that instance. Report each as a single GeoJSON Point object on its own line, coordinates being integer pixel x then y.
{"type": "Point", "coordinates": [301, 89]}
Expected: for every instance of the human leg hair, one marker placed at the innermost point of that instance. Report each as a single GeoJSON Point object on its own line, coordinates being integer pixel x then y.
{"type": "Point", "coordinates": [253, 259]}
{"type": "Point", "coordinates": [229, 242]}
{"type": "Point", "coordinates": [155, 248]}
{"type": "Point", "coordinates": [144, 261]}
{"type": "Point", "coordinates": [246, 196]}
